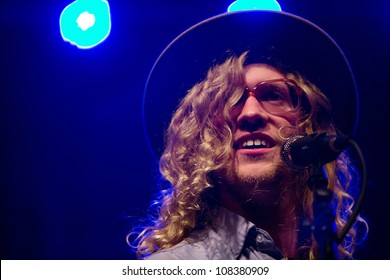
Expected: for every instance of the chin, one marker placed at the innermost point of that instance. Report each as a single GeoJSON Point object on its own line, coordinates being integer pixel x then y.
{"type": "Point", "coordinates": [257, 169]}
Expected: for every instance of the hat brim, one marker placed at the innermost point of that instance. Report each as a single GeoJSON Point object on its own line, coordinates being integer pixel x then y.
{"type": "Point", "coordinates": [299, 43]}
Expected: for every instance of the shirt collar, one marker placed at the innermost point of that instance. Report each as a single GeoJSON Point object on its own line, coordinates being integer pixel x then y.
{"type": "Point", "coordinates": [232, 228]}
{"type": "Point", "coordinates": [235, 230]}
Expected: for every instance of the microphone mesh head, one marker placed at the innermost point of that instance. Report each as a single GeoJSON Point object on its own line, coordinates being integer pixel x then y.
{"type": "Point", "coordinates": [285, 152]}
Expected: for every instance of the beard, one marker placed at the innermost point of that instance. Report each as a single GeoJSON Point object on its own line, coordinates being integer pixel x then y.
{"type": "Point", "coordinates": [263, 187]}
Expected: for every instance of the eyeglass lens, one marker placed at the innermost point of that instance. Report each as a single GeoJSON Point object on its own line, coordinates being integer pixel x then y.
{"type": "Point", "coordinates": [277, 96]}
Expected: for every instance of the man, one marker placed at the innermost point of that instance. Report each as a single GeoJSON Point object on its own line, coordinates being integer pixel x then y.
{"type": "Point", "coordinates": [226, 192]}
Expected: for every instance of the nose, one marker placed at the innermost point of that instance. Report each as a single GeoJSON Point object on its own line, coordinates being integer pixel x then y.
{"type": "Point", "coordinates": [252, 115]}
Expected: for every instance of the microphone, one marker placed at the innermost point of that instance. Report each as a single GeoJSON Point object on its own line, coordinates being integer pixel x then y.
{"type": "Point", "coordinates": [303, 151]}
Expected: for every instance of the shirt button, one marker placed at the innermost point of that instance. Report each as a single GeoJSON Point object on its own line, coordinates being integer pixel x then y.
{"type": "Point", "coordinates": [259, 238]}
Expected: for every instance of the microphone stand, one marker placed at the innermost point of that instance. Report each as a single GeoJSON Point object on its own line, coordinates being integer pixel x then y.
{"type": "Point", "coordinates": [324, 228]}
{"type": "Point", "coordinates": [314, 150]}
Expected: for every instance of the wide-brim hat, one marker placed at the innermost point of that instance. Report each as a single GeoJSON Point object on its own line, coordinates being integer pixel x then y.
{"type": "Point", "coordinates": [300, 44]}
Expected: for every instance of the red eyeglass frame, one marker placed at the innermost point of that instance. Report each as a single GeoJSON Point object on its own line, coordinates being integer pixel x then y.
{"type": "Point", "coordinates": [299, 91]}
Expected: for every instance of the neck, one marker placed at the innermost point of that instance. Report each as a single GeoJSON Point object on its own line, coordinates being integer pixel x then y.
{"type": "Point", "coordinates": [279, 220]}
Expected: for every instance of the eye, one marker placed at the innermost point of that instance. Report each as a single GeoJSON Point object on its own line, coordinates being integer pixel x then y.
{"type": "Point", "coordinates": [271, 96]}
{"type": "Point", "coordinates": [273, 93]}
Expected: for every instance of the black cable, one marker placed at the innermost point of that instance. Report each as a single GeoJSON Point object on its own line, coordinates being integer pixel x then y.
{"type": "Point", "coordinates": [358, 204]}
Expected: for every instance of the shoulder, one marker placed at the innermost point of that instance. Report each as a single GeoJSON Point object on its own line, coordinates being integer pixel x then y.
{"type": "Point", "coordinates": [183, 251]}
{"type": "Point", "coordinates": [202, 245]}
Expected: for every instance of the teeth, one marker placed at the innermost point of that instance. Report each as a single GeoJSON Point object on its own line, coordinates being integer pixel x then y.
{"type": "Point", "coordinates": [257, 142]}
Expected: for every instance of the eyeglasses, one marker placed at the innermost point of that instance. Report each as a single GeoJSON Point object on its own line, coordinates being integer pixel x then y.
{"type": "Point", "coordinates": [277, 96]}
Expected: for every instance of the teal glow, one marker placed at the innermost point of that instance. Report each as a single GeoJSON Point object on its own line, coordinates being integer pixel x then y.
{"type": "Point", "coordinates": [241, 5]}
{"type": "Point", "coordinates": [85, 23]}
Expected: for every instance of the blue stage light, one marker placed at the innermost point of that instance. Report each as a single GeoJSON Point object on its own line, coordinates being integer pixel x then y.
{"type": "Point", "coordinates": [85, 23]}
{"type": "Point", "coordinates": [240, 5]}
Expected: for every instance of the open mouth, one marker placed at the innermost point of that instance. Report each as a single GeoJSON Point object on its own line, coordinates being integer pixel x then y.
{"type": "Point", "coordinates": [254, 142]}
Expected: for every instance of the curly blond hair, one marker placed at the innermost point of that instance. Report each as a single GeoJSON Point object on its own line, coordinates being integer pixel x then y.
{"type": "Point", "coordinates": [199, 143]}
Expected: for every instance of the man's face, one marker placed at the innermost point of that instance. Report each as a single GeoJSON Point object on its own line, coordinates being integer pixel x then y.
{"type": "Point", "coordinates": [257, 166]}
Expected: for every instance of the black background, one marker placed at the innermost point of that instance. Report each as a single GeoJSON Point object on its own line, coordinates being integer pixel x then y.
{"type": "Point", "coordinates": [75, 170]}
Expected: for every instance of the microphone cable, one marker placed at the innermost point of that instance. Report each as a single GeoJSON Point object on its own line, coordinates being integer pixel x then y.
{"type": "Point", "coordinates": [363, 183]}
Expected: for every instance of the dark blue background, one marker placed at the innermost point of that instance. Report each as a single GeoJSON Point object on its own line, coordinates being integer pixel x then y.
{"type": "Point", "coordinates": [75, 169]}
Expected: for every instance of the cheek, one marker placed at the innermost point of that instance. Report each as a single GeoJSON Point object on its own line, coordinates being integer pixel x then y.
{"type": "Point", "coordinates": [290, 119]}
{"type": "Point", "coordinates": [287, 131]}
{"type": "Point", "coordinates": [288, 125]}
{"type": "Point", "coordinates": [234, 113]}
